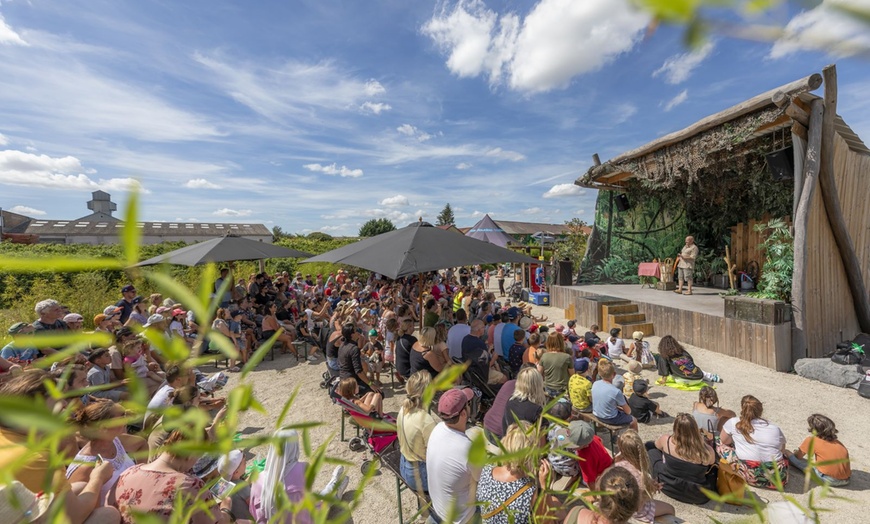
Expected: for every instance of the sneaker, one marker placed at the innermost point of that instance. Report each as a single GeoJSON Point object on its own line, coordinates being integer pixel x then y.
{"type": "Point", "coordinates": [716, 378]}
{"type": "Point", "coordinates": [663, 414]}
{"type": "Point", "coordinates": [337, 473]}
{"type": "Point", "coordinates": [311, 358]}
{"type": "Point", "coordinates": [342, 486]}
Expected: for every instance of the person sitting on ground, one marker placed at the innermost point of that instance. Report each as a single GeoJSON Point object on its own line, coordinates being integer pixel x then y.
{"type": "Point", "coordinates": [642, 408]}
{"type": "Point", "coordinates": [414, 427]}
{"type": "Point", "coordinates": [528, 399]}
{"type": "Point", "coordinates": [571, 328]}
{"type": "Point", "coordinates": [594, 457]}
{"type": "Point", "coordinates": [591, 337]}
{"type": "Point", "coordinates": [517, 351]}
{"type": "Point", "coordinates": [675, 361]}
{"type": "Point", "coordinates": [829, 454]}
{"type": "Point", "coordinates": [104, 442]}
{"type": "Point", "coordinates": [619, 501]}
{"type": "Point", "coordinates": [15, 352]}
{"type": "Point", "coordinates": [707, 413]}
{"type": "Point", "coordinates": [100, 374]}
{"type": "Point", "coordinates": [370, 403]}
{"type": "Point", "coordinates": [754, 446]}
{"type": "Point", "coordinates": [608, 402]}
{"type": "Point", "coordinates": [580, 387]}
{"type": "Point", "coordinates": [231, 468]}
{"type": "Point", "coordinates": [183, 399]}
{"type": "Point", "coordinates": [616, 346]}
{"type": "Point", "coordinates": [639, 351]}
{"type": "Point", "coordinates": [683, 463]}
{"type": "Point", "coordinates": [556, 366]}
{"type": "Point", "coordinates": [424, 356]}
{"type": "Point", "coordinates": [633, 457]}
{"type": "Point", "coordinates": [451, 475]}
{"type": "Point", "coordinates": [633, 373]}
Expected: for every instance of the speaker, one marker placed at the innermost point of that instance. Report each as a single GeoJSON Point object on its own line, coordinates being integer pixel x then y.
{"type": "Point", "coordinates": [565, 273]}
{"type": "Point", "coordinates": [622, 202]}
{"type": "Point", "coordinates": [781, 163]}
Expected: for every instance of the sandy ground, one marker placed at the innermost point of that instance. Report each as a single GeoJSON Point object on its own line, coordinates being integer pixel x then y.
{"type": "Point", "coordinates": [788, 400]}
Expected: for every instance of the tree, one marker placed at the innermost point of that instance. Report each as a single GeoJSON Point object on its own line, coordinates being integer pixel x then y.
{"type": "Point", "coordinates": [376, 226]}
{"type": "Point", "coordinates": [320, 237]}
{"type": "Point", "coordinates": [278, 233]}
{"type": "Point", "coordinates": [446, 218]}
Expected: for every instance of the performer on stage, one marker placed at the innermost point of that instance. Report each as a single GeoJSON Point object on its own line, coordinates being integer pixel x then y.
{"type": "Point", "coordinates": [686, 267]}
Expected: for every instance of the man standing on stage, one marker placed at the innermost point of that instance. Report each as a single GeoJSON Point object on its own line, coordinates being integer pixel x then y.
{"type": "Point", "coordinates": [686, 267]}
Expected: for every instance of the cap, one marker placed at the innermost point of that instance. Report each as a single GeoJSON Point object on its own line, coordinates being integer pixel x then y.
{"type": "Point", "coordinates": [488, 319]}
{"type": "Point", "coordinates": [581, 365]}
{"type": "Point", "coordinates": [137, 300]}
{"type": "Point", "coordinates": [128, 288]}
{"type": "Point", "coordinates": [635, 367]}
{"type": "Point", "coordinates": [453, 401]}
{"type": "Point", "coordinates": [559, 328]}
{"type": "Point", "coordinates": [228, 463]}
{"type": "Point", "coordinates": [513, 313]}
{"type": "Point", "coordinates": [170, 303]}
{"type": "Point", "coordinates": [204, 466]}
{"type": "Point", "coordinates": [99, 318]}
{"type": "Point", "coordinates": [640, 386]}
{"type": "Point", "coordinates": [16, 328]}
{"type": "Point", "coordinates": [73, 317]}
{"type": "Point", "coordinates": [236, 313]}
{"type": "Point", "coordinates": [111, 310]}
{"type": "Point", "coordinates": [179, 311]}
{"type": "Point", "coordinates": [154, 319]}
{"type": "Point", "coordinates": [373, 332]}
{"type": "Point", "coordinates": [580, 433]}
{"type": "Point", "coordinates": [637, 335]}
{"type": "Point", "coordinates": [162, 310]}
{"type": "Point", "coordinates": [573, 338]}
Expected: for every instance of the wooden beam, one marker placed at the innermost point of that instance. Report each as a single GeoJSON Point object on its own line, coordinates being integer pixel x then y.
{"type": "Point", "coordinates": [780, 122]}
{"type": "Point", "coordinates": [616, 177]}
{"type": "Point", "coordinates": [801, 221]}
{"type": "Point", "coordinates": [596, 160]}
{"type": "Point", "coordinates": [756, 103]}
{"type": "Point", "coordinates": [798, 101]}
{"type": "Point", "coordinates": [780, 99]}
{"type": "Point", "coordinates": [797, 114]}
{"type": "Point", "coordinates": [799, 130]}
{"type": "Point", "coordinates": [845, 245]}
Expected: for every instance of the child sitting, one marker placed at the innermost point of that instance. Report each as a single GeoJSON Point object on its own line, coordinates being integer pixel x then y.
{"type": "Point", "coordinates": [580, 387]}
{"type": "Point", "coordinates": [374, 353]}
{"type": "Point", "coordinates": [561, 450]}
{"type": "Point", "coordinates": [677, 362]}
{"type": "Point", "coordinates": [634, 458]}
{"type": "Point", "coordinates": [639, 351]}
{"type": "Point", "coordinates": [594, 458]}
{"type": "Point", "coordinates": [633, 373]}
{"type": "Point", "coordinates": [572, 328]}
{"type": "Point", "coordinates": [371, 402]}
{"type": "Point", "coordinates": [133, 353]}
{"type": "Point", "coordinates": [826, 448]}
{"type": "Point", "coordinates": [643, 408]}
{"type": "Point", "coordinates": [533, 352]}
{"type": "Point", "coordinates": [517, 351]}
{"type": "Point", "coordinates": [608, 402]}
{"type": "Point", "coordinates": [100, 375]}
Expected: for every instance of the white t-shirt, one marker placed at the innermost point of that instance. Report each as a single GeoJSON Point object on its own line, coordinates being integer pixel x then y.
{"type": "Point", "coordinates": [177, 328]}
{"type": "Point", "coordinates": [615, 349]}
{"type": "Point", "coordinates": [496, 338]}
{"type": "Point", "coordinates": [767, 440]}
{"type": "Point", "coordinates": [454, 340]}
{"type": "Point", "coordinates": [160, 398]}
{"type": "Point", "coordinates": [452, 480]}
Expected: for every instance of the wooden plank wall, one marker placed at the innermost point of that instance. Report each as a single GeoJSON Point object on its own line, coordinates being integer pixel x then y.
{"type": "Point", "coordinates": [765, 345]}
{"type": "Point", "coordinates": [745, 241]}
{"type": "Point", "coordinates": [830, 312]}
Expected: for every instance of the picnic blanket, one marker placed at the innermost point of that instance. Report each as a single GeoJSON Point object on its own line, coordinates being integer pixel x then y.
{"type": "Point", "coordinates": [671, 383]}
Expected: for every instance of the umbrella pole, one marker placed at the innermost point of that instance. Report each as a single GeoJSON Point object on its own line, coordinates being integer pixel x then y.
{"type": "Point", "coordinates": [262, 266]}
{"type": "Point", "coordinates": [420, 301]}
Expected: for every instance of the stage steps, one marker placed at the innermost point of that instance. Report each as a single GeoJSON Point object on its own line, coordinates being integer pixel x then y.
{"type": "Point", "coordinates": [627, 317]}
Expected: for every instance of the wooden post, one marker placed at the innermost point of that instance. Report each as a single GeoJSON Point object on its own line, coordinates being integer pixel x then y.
{"type": "Point", "coordinates": [832, 204]}
{"type": "Point", "coordinates": [801, 220]}
{"type": "Point", "coordinates": [731, 267]}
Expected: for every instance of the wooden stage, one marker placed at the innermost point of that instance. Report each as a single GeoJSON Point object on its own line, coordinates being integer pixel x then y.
{"type": "Point", "coordinates": [698, 320]}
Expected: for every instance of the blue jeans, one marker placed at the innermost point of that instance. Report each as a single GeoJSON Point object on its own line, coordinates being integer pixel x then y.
{"type": "Point", "coordinates": [801, 464]}
{"type": "Point", "coordinates": [411, 471]}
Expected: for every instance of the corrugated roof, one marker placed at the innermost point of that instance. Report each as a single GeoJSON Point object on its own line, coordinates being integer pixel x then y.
{"type": "Point", "coordinates": [514, 228]}
{"type": "Point", "coordinates": [111, 228]}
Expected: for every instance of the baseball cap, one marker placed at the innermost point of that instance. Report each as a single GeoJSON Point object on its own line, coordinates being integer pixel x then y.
{"type": "Point", "coordinates": [178, 311]}
{"type": "Point", "coordinates": [111, 310]}
{"type": "Point", "coordinates": [137, 300]}
{"type": "Point", "coordinates": [453, 401]}
{"type": "Point", "coordinates": [513, 313]}
{"type": "Point", "coordinates": [581, 365]}
{"type": "Point", "coordinates": [99, 318]}
{"type": "Point", "coordinates": [162, 310]}
{"type": "Point", "coordinates": [153, 319]}
{"type": "Point", "coordinates": [16, 328]}
{"type": "Point", "coordinates": [640, 386]}
{"type": "Point", "coordinates": [580, 433]}
{"type": "Point", "coordinates": [637, 335]}
{"type": "Point", "coordinates": [573, 338]}
{"type": "Point", "coordinates": [73, 317]}
{"type": "Point", "coordinates": [373, 332]}
{"type": "Point", "coordinates": [488, 319]}
{"type": "Point", "coordinates": [128, 288]}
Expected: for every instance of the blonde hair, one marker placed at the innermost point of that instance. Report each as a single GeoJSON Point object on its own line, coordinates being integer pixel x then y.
{"type": "Point", "coordinates": [427, 337]}
{"type": "Point", "coordinates": [606, 369]}
{"type": "Point", "coordinates": [517, 438]}
{"type": "Point", "coordinates": [414, 388]}
{"type": "Point", "coordinates": [530, 387]}
{"type": "Point", "coordinates": [687, 438]}
{"type": "Point", "coordinates": [633, 451]}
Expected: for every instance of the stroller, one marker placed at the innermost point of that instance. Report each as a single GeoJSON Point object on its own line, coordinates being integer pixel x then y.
{"type": "Point", "coordinates": [515, 291]}
{"type": "Point", "coordinates": [379, 436]}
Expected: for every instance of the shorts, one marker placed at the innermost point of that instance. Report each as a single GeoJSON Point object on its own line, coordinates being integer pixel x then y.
{"type": "Point", "coordinates": [685, 273]}
{"type": "Point", "coordinates": [621, 419]}
{"type": "Point", "coordinates": [376, 367]}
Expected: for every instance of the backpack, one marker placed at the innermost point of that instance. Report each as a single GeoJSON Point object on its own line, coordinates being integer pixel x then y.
{"type": "Point", "coordinates": [864, 386]}
{"type": "Point", "coordinates": [848, 353]}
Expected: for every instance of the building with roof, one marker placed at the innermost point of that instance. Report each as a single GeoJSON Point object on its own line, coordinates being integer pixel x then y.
{"type": "Point", "coordinates": [521, 232]}
{"type": "Point", "coordinates": [101, 227]}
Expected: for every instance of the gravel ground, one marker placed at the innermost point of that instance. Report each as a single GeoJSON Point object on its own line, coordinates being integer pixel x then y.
{"type": "Point", "coordinates": [788, 400]}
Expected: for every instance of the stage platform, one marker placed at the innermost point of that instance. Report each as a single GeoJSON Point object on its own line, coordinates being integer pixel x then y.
{"type": "Point", "coordinates": [698, 319]}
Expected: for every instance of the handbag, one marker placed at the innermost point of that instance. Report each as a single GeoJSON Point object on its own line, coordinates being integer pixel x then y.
{"type": "Point", "coordinates": [729, 482]}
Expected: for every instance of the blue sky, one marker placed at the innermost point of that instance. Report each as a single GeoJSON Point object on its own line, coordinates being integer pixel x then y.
{"type": "Point", "coordinates": [319, 115]}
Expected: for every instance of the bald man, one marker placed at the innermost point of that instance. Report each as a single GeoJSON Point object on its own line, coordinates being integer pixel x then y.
{"type": "Point", "coordinates": [686, 266]}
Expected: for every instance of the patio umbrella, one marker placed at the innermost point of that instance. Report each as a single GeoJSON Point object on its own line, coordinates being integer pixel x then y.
{"type": "Point", "coordinates": [418, 248]}
{"type": "Point", "coordinates": [223, 249]}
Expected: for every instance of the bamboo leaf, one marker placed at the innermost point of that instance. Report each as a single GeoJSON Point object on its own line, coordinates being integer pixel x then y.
{"type": "Point", "coordinates": [131, 234]}
{"type": "Point", "coordinates": [445, 380]}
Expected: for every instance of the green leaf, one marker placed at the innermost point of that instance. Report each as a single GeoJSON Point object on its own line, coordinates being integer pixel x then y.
{"type": "Point", "coordinates": [444, 381]}
{"type": "Point", "coordinates": [30, 413]}
{"type": "Point", "coordinates": [477, 454]}
{"type": "Point", "coordinates": [131, 234]}
{"type": "Point", "coordinates": [179, 293]}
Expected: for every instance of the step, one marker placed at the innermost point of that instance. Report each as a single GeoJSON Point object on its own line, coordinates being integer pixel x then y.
{"type": "Point", "coordinates": [628, 328]}
{"type": "Point", "coordinates": [569, 312]}
{"type": "Point", "coordinates": [626, 318]}
{"type": "Point", "coordinates": [621, 309]}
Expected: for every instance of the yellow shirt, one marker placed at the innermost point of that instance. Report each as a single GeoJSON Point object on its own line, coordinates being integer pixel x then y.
{"type": "Point", "coordinates": [580, 391]}
{"type": "Point", "coordinates": [414, 430]}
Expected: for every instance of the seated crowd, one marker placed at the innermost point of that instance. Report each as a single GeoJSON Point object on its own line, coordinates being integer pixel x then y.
{"type": "Point", "coordinates": [534, 392]}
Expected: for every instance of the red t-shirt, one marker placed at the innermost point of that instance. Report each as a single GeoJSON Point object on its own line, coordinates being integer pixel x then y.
{"type": "Point", "coordinates": [595, 459]}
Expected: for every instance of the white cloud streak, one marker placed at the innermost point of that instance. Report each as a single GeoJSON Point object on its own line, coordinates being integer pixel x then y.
{"type": "Point", "coordinates": [227, 212]}
{"type": "Point", "coordinates": [8, 35]}
{"type": "Point", "coordinates": [827, 27]}
{"type": "Point", "coordinates": [201, 183]}
{"type": "Point", "coordinates": [677, 100]}
{"type": "Point", "coordinates": [18, 168]}
{"type": "Point", "coordinates": [375, 107]}
{"type": "Point", "coordinates": [678, 68]}
{"type": "Point", "coordinates": [333, 169]}
{"type": "Point", "coordinates": [27, 211]}
{"type": "Point", "coordinates": [563, 190]}
{"type": "Point", "coordinates": [395, 201]}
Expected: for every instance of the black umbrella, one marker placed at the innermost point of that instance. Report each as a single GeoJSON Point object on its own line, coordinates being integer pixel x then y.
{"type": "Point", "coordinates": [418, 248]}
{"type": "Point", "coordinates": [223, 249]}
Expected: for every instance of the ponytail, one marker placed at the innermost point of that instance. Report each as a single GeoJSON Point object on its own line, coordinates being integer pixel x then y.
{"type": "Point", "coordinates": [750, 409]}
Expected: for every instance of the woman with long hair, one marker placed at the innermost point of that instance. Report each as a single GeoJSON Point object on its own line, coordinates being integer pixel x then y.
{"type": "Point", "coordinates": [556, 366]}
{"type": "Point", "coordinates": [683, 463]}
{"type": "Point", "coordinates": [678, 363]}
{"type": "Point", "coordinates": [633, 457]}
{"type": "Point", "coordinates": [423, 353]}
{"type": "Point", "coordinates": [616, 506]}
{"type": "Point", "coordinates": [527, 402]}
{"type": "Point", "coordinates": [285, 472]}
{"type": "Point", "coordinates": [754, 446]}
{"type": "Point", "coordinates": [414, 425]}
{"type": "Point", "coordinates": [707, 413]}
{"type": "Point", "coordinates": [270, 326]}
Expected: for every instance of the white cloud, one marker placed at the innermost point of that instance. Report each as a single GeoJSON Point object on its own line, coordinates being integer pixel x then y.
{"type": "Point", "coordinates": [3, 140]}
{"type": "Point", "coordinates": [8, 35]}
{"type": "Point", "coordinates": [677, 100]}
{"type": "Point", "coordinates": [201, 183]}
{"type": "Point", "coordinates": [623, 112]}
{"type": "Point", "coordinates": [563, 190]}
{"type": "Point", "coordinates": [531, 211]}
{"type": "Point", "coordinates": [332, 169]}
{"type": "Point", "coordinates": [580, 212]}
{"type": "Point", "coordinates": [463, 165]}
{"type": "Point", "coordinates": [28, 211]}
{"type": "Point", "coordinates": [340, 227]}
{"type": "Point", "coordinates": [826, 27]}
{"type": "Point", "coordinates": [409, 130]}
{"type": "Point", "coordinates": [480, 214]}
{"type": "Point", "coordinates": [556, 41]}
{"type": "Point", "coordinates": [678, 68]}
{"type": "Point", "coordinates": [227, 212]}
{"type": "Point", "coordinates": [502, 154]}
{"type": "Point", "coordinates": [394, 201]}
{"type": "Point", "coordinates": [375, 107]}
{"type": "Point", "coordinates": [18, 168]}
{"type": "Point", "coordinates": [374, 88]}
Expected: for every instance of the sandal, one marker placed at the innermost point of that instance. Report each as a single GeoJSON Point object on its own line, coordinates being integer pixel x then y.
{"type": "Point", "coordinates": [687, 293]}
{"type": "Point", "coordinates": [234, 369]}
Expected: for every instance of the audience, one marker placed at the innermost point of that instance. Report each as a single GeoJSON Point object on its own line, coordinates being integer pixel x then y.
{"type": "Point", "coordinates": [754, 446]}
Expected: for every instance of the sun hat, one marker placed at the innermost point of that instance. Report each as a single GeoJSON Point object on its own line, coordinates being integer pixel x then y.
{"type": "Point", "coordinates": [454, 401]}
{"type": "Point", "coordinates": [635, 367]}
{"type": "Point", "coordinates": [73, 317]}
{"type": "Point", "coordinates": [637, 335]}
{"type": "Point", "coordinates": [19, 504]}
{"type": "Point", "coordinates": [580, 433]}
{"type": "Point", "coordinates": [154, 319]}
{"type": "Point", "coordinates": [227, 464]}
{"type": "Point", "coordinates": [16, 328]}
{"type": "Point", "coordinates": [640, 386]}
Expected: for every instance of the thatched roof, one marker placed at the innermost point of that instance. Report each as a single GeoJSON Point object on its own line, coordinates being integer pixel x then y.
{"type": "Point", "coordinates": [726, 135]}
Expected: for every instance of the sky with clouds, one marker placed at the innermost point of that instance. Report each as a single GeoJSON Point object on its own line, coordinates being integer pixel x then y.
{"type": "Point", "coordinates": [317, 116]}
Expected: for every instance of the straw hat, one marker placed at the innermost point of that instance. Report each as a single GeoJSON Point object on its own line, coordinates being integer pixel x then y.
{"type": "Point", "coordinates": [18, 504]}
